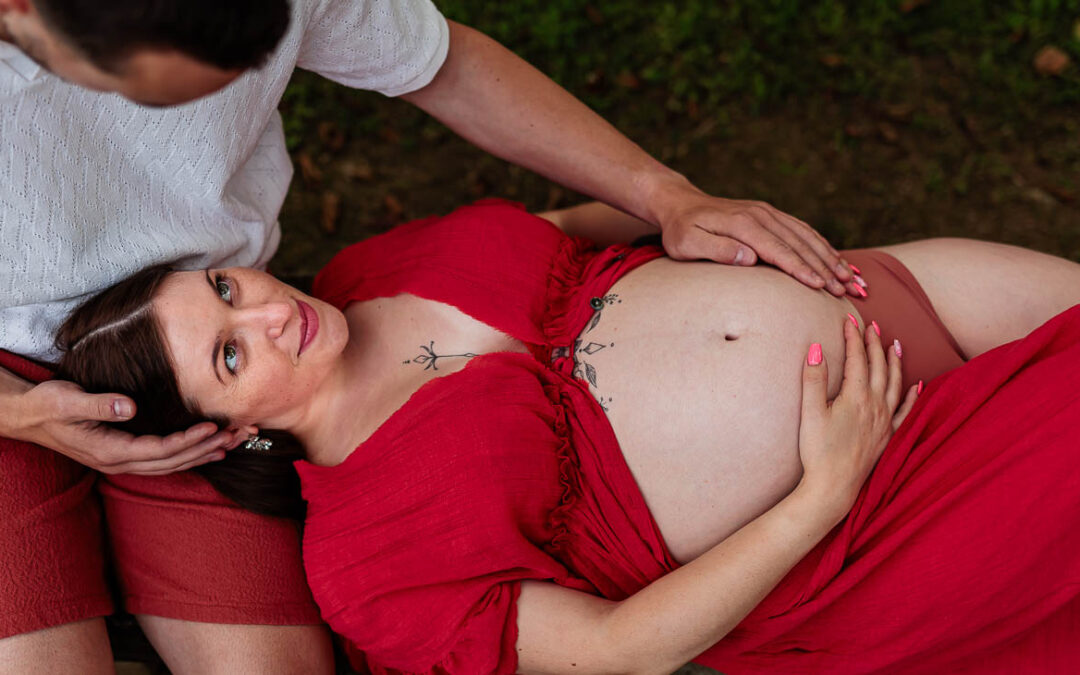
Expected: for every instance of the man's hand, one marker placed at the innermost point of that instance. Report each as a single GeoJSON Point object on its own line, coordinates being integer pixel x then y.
{"type": "Point", "coordinates": [698, 226]}
{"type": "Point", "coordinates": [61, 416]}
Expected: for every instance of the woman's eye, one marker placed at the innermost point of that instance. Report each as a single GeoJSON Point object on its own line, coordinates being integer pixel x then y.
{"type": "Point", "coordinates": [224, 290]}
{"type": "Point", "coordinates": [230, 357]}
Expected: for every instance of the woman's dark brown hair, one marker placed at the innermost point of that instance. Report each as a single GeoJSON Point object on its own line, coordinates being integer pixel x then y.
{"type": "Point", "coordinates": [113, 343]}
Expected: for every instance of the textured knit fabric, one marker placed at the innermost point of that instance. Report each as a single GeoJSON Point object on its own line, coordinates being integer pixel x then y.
{"type": "Point", "coordinates": [964, 543]}
{"type": "Point", "coordinates": [94, 188]}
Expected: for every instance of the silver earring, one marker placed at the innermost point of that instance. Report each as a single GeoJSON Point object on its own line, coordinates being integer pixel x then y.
{"type": "Point", "coordinates": [258, 444]}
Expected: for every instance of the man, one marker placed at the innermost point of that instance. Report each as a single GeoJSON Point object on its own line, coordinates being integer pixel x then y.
{"type": "Point", "coordinates": [93, 187]}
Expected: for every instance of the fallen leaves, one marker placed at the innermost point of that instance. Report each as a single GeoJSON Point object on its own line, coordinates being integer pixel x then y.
{"type": "Point", "coordinates": [1050, 61]}
{"type": "Point", "coordinates": [331, 209]}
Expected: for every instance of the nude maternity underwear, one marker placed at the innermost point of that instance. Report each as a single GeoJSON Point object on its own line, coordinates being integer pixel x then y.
{"type": "Point", "coordinates": [903, 311]}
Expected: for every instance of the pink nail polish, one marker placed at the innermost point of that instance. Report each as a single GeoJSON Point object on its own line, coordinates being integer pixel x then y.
{"type": "Point", "coordinates": [854, 321]}
{"type": "Point", "coordinates": [898, 349]}
{"type": "Point", "coordinates": [854, 269]}
{"type": "Point", "coordinates": [860, 281]}
{"type": "Point", "coordinates": [876, 328]}
{"type": "Point", "coordinates": [861, 291]}
{"type": "Point", "coordinates": [813, 357]}
{"type": "Point", "coordinates": [919, 389]}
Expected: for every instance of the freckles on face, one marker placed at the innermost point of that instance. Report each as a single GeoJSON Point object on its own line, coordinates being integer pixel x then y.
{"type": "Point", "coordinates": [235, 339]}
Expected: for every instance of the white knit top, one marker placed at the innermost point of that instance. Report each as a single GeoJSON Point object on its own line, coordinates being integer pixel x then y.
{"type": "Point", "coordinates": [94, 188]}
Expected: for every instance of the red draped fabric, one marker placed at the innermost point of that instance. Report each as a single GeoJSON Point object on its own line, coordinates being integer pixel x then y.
{"type": "Point", "coordinates": [963, 549]}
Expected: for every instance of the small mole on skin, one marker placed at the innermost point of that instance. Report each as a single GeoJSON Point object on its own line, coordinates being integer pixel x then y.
{"type": "Point", "coordinates": [731, 338]}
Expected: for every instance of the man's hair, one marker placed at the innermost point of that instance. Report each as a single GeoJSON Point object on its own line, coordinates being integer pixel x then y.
{"type": "Point", "coordinates": [224, 33]}
{"type": "Point", "coordinates": [113, 343]}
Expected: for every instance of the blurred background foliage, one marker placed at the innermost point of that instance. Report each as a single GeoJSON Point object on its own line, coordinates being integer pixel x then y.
{"type": "Point", "coordinates": [874, 120]}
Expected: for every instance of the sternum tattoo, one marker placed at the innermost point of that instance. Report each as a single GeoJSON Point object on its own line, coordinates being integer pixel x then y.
{"type": "Point", "coordinates": [430, 360]}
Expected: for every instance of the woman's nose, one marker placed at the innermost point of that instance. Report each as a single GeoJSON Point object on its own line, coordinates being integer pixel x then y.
{"type": "Point", "coordinates": [270, 316]}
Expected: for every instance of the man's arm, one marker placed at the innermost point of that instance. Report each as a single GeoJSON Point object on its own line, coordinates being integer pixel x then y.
{"type": "Point", "coordinates": [496, 100]}
{"type": "Point", "coordinates": [62, 417]}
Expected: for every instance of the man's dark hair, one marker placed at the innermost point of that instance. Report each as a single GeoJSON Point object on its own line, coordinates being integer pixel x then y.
{"type": "Point", "coordinates": [112, 343]}
{"type": "Point", "coordinates": [224, 33]}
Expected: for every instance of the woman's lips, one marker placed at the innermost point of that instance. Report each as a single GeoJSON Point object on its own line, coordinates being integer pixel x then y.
{"type": "Point", "coordinates": [309, 325]}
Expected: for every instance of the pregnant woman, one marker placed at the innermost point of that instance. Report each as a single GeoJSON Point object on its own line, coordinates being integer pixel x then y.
{"type": "Point", "coordinates": [522, 454]}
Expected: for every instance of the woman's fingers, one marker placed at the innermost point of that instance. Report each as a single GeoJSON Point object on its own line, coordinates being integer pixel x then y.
{"type": "Point", "coordinates": [909, 401]}
{"type": "Point", "coordinates": [815, 383]}
{"type": "Point", "coordinates": [894, 389]}
{"type": "Point", "coordinates": [879, 369]}
{"type": "Point", "coordinates": [855, 368]}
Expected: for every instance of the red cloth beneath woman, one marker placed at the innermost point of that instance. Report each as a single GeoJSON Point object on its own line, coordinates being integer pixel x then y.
{"type": "Point", "coordinates": [963, 544]}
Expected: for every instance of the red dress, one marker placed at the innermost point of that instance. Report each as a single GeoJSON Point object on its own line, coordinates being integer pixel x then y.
{"type": "Point", "coordinates": [507, 470]}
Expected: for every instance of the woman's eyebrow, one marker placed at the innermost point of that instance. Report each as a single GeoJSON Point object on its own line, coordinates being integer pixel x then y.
{"type": "Point", "coordinates": [217, 340]}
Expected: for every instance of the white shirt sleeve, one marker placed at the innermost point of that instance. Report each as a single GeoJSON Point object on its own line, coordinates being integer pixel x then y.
{"type": "Point", "coordinates": [390, 46]}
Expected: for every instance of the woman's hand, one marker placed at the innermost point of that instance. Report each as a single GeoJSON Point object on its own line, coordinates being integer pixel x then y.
{"type": "Point", "coordinates": [840, 442]}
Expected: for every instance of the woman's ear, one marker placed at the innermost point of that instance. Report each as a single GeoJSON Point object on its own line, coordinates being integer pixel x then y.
{"type": "Point", "coordinates": [245, 429]}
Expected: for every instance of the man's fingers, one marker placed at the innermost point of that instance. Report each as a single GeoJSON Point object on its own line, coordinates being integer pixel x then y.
{"type": "Point", "coordinates": [208, 450]}
{"type": "Point", "coordinates": [812, 251]}
{"type": "Point", "coordinates": [716, 247]}
{"type": "Point", "coordinates": [775, 250]}
{"type": "Point", "coordinates": [78, 405]}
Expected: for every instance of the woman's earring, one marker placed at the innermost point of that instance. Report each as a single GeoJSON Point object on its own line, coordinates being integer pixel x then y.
{"type": "Point", "coordinates": [259, 444]}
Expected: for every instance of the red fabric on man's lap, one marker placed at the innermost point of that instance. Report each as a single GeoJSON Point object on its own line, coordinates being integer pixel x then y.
{"type": "Point", "coordinates": [180, 549]}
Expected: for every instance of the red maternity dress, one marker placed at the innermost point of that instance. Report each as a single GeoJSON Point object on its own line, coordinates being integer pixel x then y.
{"type": "Point", "coordinates": [963, 548]}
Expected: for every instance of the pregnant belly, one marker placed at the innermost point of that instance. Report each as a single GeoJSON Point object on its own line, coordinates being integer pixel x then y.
{"type": "Point", "coordinates": [698, 367]}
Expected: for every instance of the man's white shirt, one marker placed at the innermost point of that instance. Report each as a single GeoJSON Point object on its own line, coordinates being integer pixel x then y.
{"type": "Point", "coordinates": [94, 188]}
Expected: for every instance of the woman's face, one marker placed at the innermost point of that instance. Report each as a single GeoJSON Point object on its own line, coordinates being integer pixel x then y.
{"type": "Point", "coordinates": [247, 347]}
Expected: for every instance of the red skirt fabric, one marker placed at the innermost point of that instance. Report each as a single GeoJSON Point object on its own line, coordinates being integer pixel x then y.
{"type": "Point", "coordinates": [962, 552]}
{"type": "Point", "coordinates": [177, 547]}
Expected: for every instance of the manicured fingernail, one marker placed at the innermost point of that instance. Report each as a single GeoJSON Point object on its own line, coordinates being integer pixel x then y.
{"type": "Point", "coordinates": [813, 357]}
{"type": "Point", "coordinates": [860, 281]}
{"type": "Point", "coordinates": [918, 390]}
{"type": "Point", "coordinates": [860, 290]}
{"type": "Point", "coordinates": [817, 278]}
{"type": "Point", "coordinates": [854, 269]}
{"type": "Point", "coordinates": [841, 268]}
{"type": "Point", "coordinates": [854, 321]}
{"type": "Point", "coordinates": [877, 329]}
{"type": "Point", "coordinates": [898, 349]}
{"type": "Point", "coordinates": [739, 255]}
{"type": "Point", "coordinates": [122, 408]}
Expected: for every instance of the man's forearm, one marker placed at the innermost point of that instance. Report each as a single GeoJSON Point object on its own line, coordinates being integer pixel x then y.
{"type": "Point", "coordinates": [493, 98]}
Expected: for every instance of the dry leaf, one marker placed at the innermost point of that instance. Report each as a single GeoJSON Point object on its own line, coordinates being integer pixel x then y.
{"type": "Point", "coordinates": [1051, 61]}
{"type": "Point", "coordinates": [331, 136]}
{"type": "Point", "coordinates": [857, 129]}
{"type": "Point", "coordinates": [831, 60]}
{"type": "Point", "coordinates": [627, 80]}
{"type": "Point", "coordinates": [356, 169]}
{"type": "Point", "coordinates": [394, 208]}
{"type": "Point", "coordinates": [888, 132]}
{"type": "Point", "coordinates": [308, 170]}
{"type": "Point", "coordinates": [331, 208]}
{"type": "Point", "coordinates": [910, 5]}
{"type": "Point", "coordinates": [899, 112]}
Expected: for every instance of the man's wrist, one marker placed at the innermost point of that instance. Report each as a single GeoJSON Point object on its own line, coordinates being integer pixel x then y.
{"type": "Point", "coordinates": [663, 193]}
{"type": "Point", "coordinates": [12, 408]}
